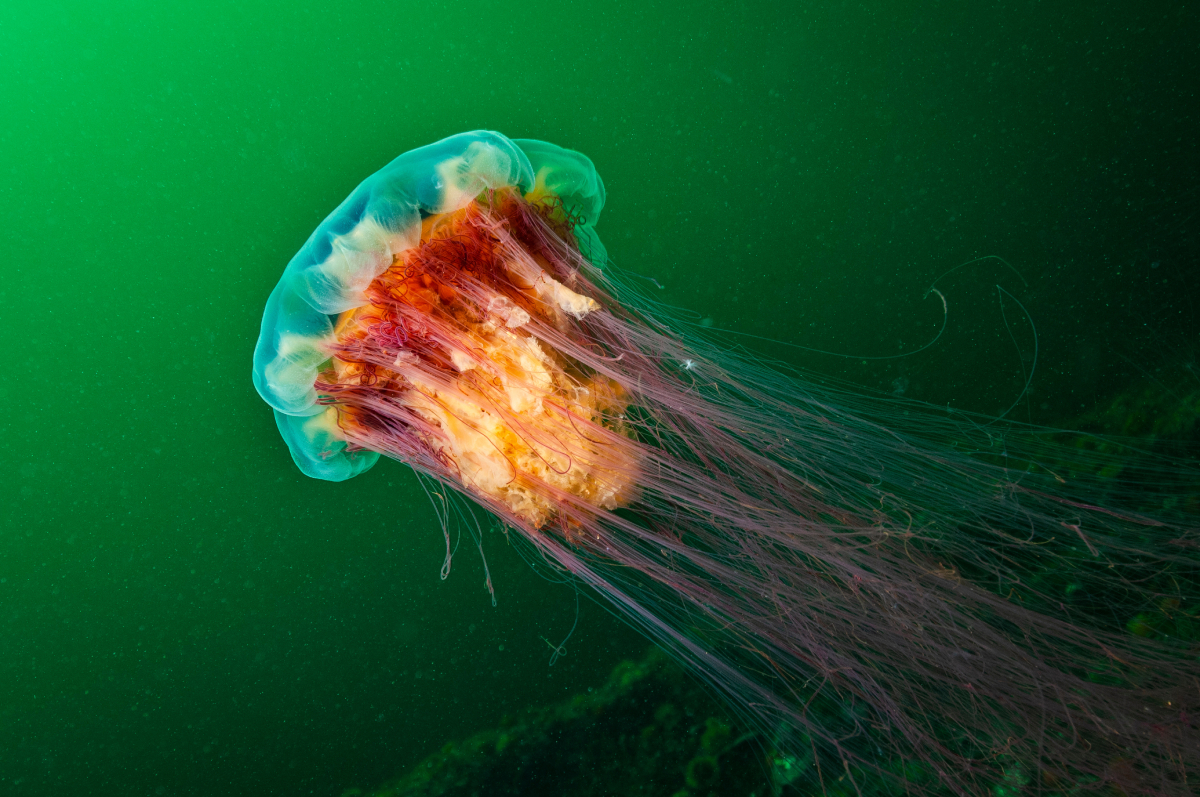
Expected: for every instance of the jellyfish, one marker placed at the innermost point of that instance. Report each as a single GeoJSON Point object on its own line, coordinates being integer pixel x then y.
{"type": "Point", "coordinates": [886, 592]}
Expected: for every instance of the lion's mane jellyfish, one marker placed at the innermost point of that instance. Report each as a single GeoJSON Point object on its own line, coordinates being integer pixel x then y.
{"type": "Point", "coordinates": [883, 590]}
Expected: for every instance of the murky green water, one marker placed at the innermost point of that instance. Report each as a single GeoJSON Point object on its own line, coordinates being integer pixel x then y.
{"type": "Point", "coordinates": [181, 612]}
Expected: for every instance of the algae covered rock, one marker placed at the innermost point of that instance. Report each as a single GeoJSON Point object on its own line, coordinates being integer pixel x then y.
{"type": "Point", "coordinates": [650, 730]}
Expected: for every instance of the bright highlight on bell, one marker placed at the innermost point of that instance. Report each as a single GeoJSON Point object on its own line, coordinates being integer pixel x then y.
{"type": "Point", "coordinates": [858, 581]}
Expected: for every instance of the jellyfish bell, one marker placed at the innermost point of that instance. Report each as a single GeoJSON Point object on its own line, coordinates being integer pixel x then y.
{"type": "Point", "coordinates": [799, 547]}
{"type": "Point", "coordinates": [417, 322]}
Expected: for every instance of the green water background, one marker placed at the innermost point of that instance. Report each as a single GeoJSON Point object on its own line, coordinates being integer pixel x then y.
{"type": "Point", "coordinates": [181, 612]}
